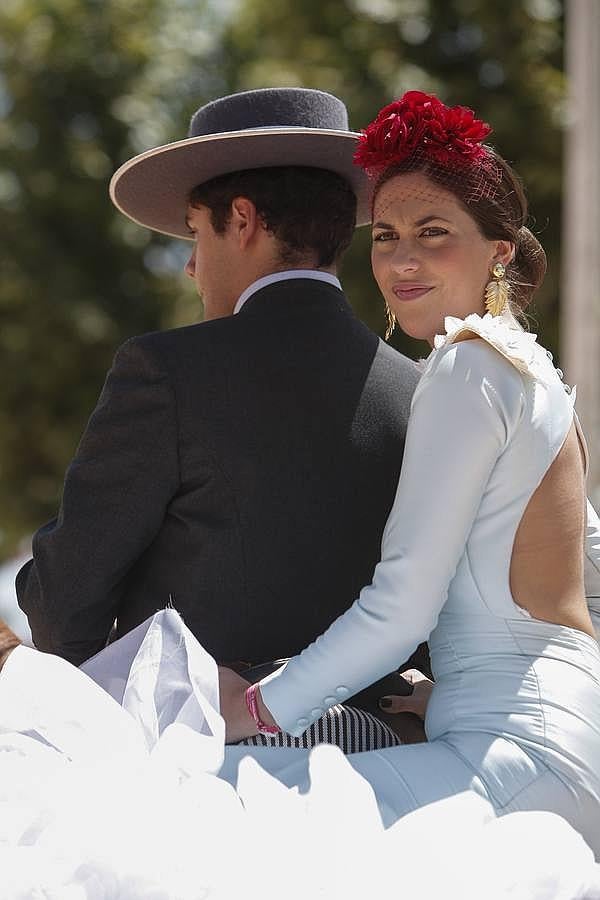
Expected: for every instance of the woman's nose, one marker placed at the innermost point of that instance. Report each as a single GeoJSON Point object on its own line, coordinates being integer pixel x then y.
{"type": "Point", "coordinates": [404, 259]}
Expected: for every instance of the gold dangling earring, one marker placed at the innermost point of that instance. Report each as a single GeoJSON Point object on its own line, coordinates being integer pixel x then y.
{"type": "Point", "coordinates": [390, 320]}
{"type": "Point", "coordinates": [497, 291]}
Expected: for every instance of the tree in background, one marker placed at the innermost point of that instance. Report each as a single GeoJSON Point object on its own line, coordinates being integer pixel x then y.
{"type": "Point", "coordinates": [85, 84]}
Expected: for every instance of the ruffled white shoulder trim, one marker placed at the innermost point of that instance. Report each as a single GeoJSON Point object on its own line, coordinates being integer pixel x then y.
{"type": "Point", "coordinates": [516, 345]}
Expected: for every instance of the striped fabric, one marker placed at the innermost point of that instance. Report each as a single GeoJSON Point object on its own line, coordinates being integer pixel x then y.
{"type": "Point", "coordinates": [351, 729]}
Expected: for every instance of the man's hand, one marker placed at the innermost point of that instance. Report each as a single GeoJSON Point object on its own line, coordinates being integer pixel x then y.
{"type": "Point", "coordinates": [413, 703]}
{"type": "Point", "coordinates": [8, 642]}
{"type": "Point", "coordinates": [238, 721]}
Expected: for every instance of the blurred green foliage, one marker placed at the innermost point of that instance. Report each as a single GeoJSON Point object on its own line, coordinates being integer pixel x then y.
{"type": "Point", "coordinates": [84, 84]}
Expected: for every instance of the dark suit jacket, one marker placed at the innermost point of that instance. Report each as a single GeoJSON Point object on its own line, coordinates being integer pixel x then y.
{"type": "Point", "coordinates": [242, 469]}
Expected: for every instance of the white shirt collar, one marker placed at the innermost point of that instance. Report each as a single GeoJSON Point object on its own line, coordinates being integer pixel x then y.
{"type": "Point", "coordinates": [315, 274]}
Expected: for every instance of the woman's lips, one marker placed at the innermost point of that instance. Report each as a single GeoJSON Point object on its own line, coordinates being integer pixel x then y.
{"type": "Point", "coordinates": [410, 290]}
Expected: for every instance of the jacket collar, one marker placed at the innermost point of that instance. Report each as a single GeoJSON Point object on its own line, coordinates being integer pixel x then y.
{"type": "Point", "coordinates": [287, 275]}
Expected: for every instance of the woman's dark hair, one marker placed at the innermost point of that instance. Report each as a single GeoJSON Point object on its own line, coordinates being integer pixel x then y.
{"type": "Point", "coordinates": [311, 212]}
{"type": "Point", "coordinates": [498, 206]}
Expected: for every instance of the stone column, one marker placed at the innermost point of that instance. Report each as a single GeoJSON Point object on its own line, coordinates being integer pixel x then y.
{"type": "Point", "coordinates": [580, 291]}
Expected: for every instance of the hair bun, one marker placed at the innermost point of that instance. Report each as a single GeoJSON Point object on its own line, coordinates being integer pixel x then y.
{"type": "Point", "coordinates": [528, 268]}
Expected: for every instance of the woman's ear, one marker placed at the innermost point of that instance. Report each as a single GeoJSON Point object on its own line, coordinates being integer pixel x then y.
{"type": "Point", "coordinates": [504, 252]}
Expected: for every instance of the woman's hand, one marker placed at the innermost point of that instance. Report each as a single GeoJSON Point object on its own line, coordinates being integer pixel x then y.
{"type": "Point", "coordinates": [413, 703]}
{"type": "Point", "coordinates": [232, 698]}
{"type": "Point", "coordinates": [239, 724]}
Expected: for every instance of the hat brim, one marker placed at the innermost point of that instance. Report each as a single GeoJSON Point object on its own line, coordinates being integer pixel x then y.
{"type": "Point", "coordinates": [153, 188]}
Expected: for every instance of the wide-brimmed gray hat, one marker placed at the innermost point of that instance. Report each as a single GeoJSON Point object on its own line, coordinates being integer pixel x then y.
{"type": "Point", "coordinates": [250, 130]}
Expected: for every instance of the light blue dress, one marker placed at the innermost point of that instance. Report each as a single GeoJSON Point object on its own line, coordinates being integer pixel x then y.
{"type": "Point", "coordinates": [515, 711]}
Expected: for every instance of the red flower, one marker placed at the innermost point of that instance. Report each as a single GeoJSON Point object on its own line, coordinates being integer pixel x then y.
{"type": "Point", "coordinates": [419, 121]}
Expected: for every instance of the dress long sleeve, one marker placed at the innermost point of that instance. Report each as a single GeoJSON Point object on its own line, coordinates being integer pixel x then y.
{"type": "Point", "coordinates": [464, 412]}
{"type": "Point", "coordinates": [116, 491]}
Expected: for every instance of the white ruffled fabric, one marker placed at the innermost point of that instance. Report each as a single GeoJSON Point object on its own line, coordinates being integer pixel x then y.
{"type": "Point", "coordinates": [501, 332]}
{"type": "Point", "coordinates": [118, 798]}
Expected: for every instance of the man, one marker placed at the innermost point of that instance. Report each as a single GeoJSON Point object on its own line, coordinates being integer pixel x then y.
{"type": "Point", "coordinates": [241, 469]}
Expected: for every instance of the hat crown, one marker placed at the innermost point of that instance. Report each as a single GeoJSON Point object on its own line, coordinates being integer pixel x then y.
{"type": "Point", "coordinates": [270, 108]}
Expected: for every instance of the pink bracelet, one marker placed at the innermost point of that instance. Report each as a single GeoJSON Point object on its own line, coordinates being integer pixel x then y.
{"type": "Point", "coordinates": [252, 705]}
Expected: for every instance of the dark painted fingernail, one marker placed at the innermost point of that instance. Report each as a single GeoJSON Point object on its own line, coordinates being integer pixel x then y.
{"type": "Point", "coordinates": [385, 702]}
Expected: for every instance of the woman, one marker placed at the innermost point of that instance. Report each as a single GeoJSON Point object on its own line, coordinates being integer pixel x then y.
{"type": "Point", "coordinates": [482, 552]}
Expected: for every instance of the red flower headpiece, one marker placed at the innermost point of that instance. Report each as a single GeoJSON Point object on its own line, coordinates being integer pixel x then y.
{"type": "Point", "coordinates": [421, 124]}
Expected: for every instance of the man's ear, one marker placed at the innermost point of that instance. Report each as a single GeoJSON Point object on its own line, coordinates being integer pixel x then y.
{"type": "Point", "coordinates": [244, 221]}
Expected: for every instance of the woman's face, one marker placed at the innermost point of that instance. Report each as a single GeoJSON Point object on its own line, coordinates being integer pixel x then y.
{"type": "Point", "coordinates": [429, 258]}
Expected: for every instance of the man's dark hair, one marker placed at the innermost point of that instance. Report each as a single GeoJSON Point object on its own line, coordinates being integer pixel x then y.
{"type": "Point", "coordinates": [311, 212]}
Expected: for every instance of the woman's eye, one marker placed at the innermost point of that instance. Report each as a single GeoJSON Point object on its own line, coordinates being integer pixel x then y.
{"type": "Point", "coordinates": [433, 232]}
{"type": "Point", "coordinates": [384, 236]}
